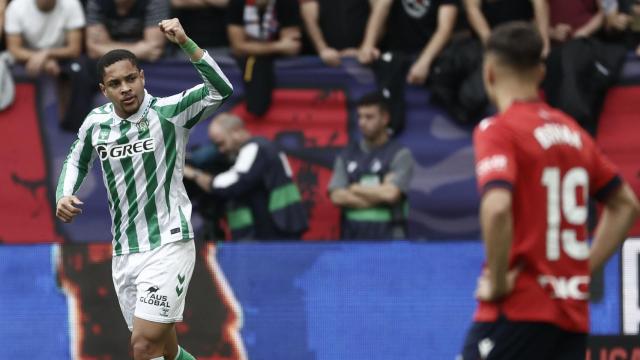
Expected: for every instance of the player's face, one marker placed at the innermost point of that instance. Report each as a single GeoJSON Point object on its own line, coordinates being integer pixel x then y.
{"type": "Point", "coordinates": [372, 121]}
{"type": "Point", "coordinates": [222, 139]}
{"type": "Point", "coordinates": [123, 85]}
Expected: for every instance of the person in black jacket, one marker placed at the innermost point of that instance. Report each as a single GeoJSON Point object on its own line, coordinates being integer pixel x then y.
{"type": "Point", "coordinates": [262, 201]}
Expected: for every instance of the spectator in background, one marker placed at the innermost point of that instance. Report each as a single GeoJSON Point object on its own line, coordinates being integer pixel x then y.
{"type": "Point", "coordinates": [574, 19]}
{"type": "Point", "coordinates": [46, 37]}
{"type": "Point", "coordinates": [457, 81]}
{"type": "Point", "coordinates": [484, 15]}
{"type": "Point", "coordinates": [126, 24]}
{"type": "Point", "coordinates": [263, 202]}
{"type": "Point", "coordinates": [259, 31]}
{"type": "Point", "coordinates": [414, 28]}
{"type": "Point", "coordinates": [336, 27]}
{"type": "Point", "coordinates": [417, 31]}
{"type": "Point", "coordinates": [580, 67]}
{"type": "Point", "coordinates": [203, 20]}
{"type": "Point", "coordinates": [208, 159]}
{"type": "Point", "coordinates": [371, 178]}
{"type": "Point", "coordinates": [622, 22]}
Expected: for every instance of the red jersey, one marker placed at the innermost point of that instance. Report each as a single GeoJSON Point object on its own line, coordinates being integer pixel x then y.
{"type": "Point", "coordinates": [551, 166]}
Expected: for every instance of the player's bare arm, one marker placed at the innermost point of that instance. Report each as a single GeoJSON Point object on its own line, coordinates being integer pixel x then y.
{"type": "Point", "coordinates": [419, 71]}
{"type": "Point", "coordinates": [620, 212]}
{"type": "Point", "coordinates": [496, 219]}
{"type": "Point", "coordinates": [369, 51]}
{"type": "Point", "coordinates": [68, 208]}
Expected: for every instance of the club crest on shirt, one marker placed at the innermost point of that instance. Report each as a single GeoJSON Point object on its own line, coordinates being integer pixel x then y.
{"type": "Point", "coordinates": [143, 125]}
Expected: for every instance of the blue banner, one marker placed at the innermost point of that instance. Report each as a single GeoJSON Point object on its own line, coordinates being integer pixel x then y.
{"type": "Point", "coordinates": [388, 300]}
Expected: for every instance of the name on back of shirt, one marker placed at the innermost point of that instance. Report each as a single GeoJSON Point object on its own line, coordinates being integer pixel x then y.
{"type": "Point", "coordinates": [549, 135]}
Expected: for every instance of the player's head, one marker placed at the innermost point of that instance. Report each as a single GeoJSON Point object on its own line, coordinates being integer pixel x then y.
{"type": "Point", "coordinates": [121, 81]}
{"type": "Point", "coordinates": [513, 55]}
{"type": "Point", "coordinates": [228, 133]}
{"type": "Point", "coordinates": [373, 116]}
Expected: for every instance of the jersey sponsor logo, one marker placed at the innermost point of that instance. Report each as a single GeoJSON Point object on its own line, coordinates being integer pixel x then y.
{"type": "Point", "coordinates": [153, 298]}
{"type": "Point", "coordinates": [566, 288]}
{"type": "Point", "coordinates": [549, 135]}
{"type": "Point", "coordinates": [125, 150]}
{"type": "Point", "coordinates": [491, 163]}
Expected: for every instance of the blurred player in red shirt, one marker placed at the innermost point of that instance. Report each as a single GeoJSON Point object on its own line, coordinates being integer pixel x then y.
{"type": "Point", "coordinates": [536, 169]}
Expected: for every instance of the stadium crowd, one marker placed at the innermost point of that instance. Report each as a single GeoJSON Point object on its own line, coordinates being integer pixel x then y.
{"type": "Point", "coordinates": [437, 44]}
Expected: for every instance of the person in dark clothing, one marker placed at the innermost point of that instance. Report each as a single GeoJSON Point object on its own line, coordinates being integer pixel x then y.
{"type": "Point", "coordinates": [262, 201]}
{"type": "Point", "coordinates": [371, 178]}
{"type": "Point", "coordinates": [204, 20]}
{"type": "Point", "coordinates": [335, 27]}
{"type": "Point", "coordinates": [126, 24]}
{"type": "Point", "coordinates": [259, 31]}
{"type": "Point", "coordinates": [484, 15]}
{"type": "Point", "coordinates": [416, 33]}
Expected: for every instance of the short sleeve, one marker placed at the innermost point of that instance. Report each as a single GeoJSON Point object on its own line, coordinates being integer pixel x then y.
{"type": "Point", "coordinates": [339, 178]}
{"type": "Point", "coordinates": [604, 175]}
{"type": "Point", "coordinates": [288, 13]}
{"type": "Point", "coordinates": [12, 18]}
{"type": "Point", "coordinates": [75, 15]}
{"type": "Point", "coordinates": [494, 157]}
{"type": "Point", "coordinates": [235, 12]}
{"type": "Point", "coordinates": [402, 169]}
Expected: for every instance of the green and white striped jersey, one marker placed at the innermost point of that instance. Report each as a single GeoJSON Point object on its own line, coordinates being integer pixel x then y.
{"type": "Point", "coordinates": [142, 160]}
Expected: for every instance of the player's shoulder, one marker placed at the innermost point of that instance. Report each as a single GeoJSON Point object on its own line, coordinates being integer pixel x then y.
{"type": "Point", "coordinates": [17, 8]}
{"type": "Point", "coordinates": [489, 126]}
{"type": "Point", "coordinates": [98, 115]}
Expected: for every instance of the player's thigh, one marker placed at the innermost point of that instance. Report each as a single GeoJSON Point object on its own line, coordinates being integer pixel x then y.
{"type": "Point", "coordinates": [505, 340]}
{"type": "Point", "coordinates": [124, 270]}
{"type": "Point", "coordinates": [152, 331]}
{"type": "Point", "coordinates": [162, 284]}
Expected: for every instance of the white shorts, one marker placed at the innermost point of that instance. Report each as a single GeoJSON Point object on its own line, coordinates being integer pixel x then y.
{"type": "Point", "coordinates": [152, 285]}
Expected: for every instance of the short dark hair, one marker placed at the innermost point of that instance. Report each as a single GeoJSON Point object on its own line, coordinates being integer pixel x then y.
{"type": "Point", "coordinates": [374, 98]}
{"type": "Point", "coordinates": [113, 57]}
{"type": "Point", "coordinates": [517, 44]}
